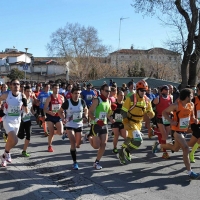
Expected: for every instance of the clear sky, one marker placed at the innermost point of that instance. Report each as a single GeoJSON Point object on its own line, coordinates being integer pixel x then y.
{"type": "Point", "coordinates": [29, 23]}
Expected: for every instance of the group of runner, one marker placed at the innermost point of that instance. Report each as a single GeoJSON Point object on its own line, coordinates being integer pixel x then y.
{"type": "Point", "coordinates": [63, 110]}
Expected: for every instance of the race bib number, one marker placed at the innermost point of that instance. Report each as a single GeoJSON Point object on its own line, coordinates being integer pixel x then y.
{"type": "Point", "coordinates": [184, 122]}
{"type": "Point", "coordinates": [77, 117]}
{"type": "Point", "coordinates": [137, 135]}
{"type": "Point", "coordinates": [89, 97]}
{"type": "Point", "coordinates": [118, 117]}
{"type": "Point", "coordinates": [44, 100]}
{"type": "Point", "coordinates": [14, 110]}
{"type": "Point", "coordinates": [165, 121]}
{"type": "Point", "coordinates": [27, 117]}
{"type": "Point", "coordinates": [55, 108]}
{"type": "Point", "coordinates": [102, 115]}
{"type": "Point", "coordinates": [198, 114]}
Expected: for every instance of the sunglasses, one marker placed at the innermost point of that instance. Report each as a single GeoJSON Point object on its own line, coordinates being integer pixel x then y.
{"type": "Point", "coordinates": [142, 90]}
{"type": "Point", "coordinates": [15, 84]}
{"type": "Point", "coordinates": [107, 91]}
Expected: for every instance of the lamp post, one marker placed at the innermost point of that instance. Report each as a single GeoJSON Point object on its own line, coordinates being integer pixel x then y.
{"type": "Point", "coordinates": [25, 63]}
{"type": "Point", "coordinates": [122, 18]}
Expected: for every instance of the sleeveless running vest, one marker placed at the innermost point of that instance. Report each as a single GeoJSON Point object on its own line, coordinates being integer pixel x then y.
{"type": "Point", "coordinates": [74, 115]}
{"type": "Point", "coordinates": [13, 108]}
{"type": "Point", "coordinates": [55, 104]}
{"type": "Point", "coordinates": [182, 116]}
{"type": "Point", "coordinates": [101, 110]}
{"type": "Point", "coordinates": [162, 105]}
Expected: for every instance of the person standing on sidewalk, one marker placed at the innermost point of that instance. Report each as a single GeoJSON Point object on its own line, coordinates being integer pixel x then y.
{"type": "Point", "coordinates": [51, 108]}
{"type": "Point", "coordinates": [25, 125]}
{"type": "Point", "coordinates": [15, 100]}
{"type": "Point", "coordinates": [98, 112]}
{"type": "Point", "coordinates": [76, 113]}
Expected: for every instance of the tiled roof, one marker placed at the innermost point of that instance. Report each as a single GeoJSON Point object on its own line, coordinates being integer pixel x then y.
{"type": "Point", "coordinates": [148, 51]}
{"type": "Point", "coordinates": [4, 55]}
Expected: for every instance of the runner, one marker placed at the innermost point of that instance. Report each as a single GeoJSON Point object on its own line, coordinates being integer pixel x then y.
{"type": "Point", "coordinates": [68, 93]}
{"type": "Point", "coordinates": [116, 119]}
{"type": "Point", "coordinates": [98, 112]}
{"type": "Point", "coordinates": [25, 126]}
{"type": "Point", "coordinates": [162, 102]}
{"type": "Point", "coordinates": [76, 114]}
{"type": "Point", "coordinates": [42, 99]}
{"type": "Point", "coordinates": [131, 89]}
{"type": "Point", "coordinates": [12, 118]}
{"type": "Point", "coordinates": [133, 111]}
{"type": "Point", "coordinates": [183, 112]}
{"type": "Point", "coordinates": [51, 107]}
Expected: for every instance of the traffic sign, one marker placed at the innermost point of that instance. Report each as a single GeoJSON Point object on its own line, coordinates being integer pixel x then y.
{"type": "Point", "coordinates": [25, 67]}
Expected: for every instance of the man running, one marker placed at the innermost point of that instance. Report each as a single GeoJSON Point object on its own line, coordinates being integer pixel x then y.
{"type": "Point", "coordinates": [76, 112]}
{"type": "Point", "coordinates": [133, 111]}
{"type": "Point", "coordinates": [98, 112]}
{"type": "Point", "coordinates": [51, 108]}
{"type": "Point", "coordinates": [12, 118]}
{"type": "Point", "coordinates": [25, 125]}
{"type": "Point", "coordinates": [183, 112]}
{"type": "Point", "coordinates": [42, 97]}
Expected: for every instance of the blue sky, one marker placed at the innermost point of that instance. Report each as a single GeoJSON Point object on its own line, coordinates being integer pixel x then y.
{"type": "Point", "coordinates": [26, 23]}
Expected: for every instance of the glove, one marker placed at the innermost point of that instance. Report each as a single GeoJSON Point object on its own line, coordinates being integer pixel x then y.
{"type": "Point", "coordinates": [100, 122]}
{"type": "Point", "coordinates": [113, 106]}
{"type": "Point", "coordinates": [150, 114]}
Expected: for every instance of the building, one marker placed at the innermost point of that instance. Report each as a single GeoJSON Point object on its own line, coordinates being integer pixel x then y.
{"type": "Point", "coordinates": [152, 60]}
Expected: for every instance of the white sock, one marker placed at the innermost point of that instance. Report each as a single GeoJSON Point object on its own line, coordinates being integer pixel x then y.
{"type": "Point", "coordinates": [189, 172]}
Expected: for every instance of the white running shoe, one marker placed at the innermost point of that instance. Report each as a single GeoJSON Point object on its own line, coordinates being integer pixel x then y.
{"type": "Point", "coordinates": [97, 166]}
{"type": "Point", "coordinates": [8, 157]}
{"type": "Point", "coordinates": [3, 161]}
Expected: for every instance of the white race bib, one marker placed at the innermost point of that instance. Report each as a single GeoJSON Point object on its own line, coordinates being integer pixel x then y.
{"type": "Point", "coordinates": [137, 135]}
{"type": "Point", "coordinates": [44, 99]}
{"type": "Point", "coordinates": [89, 97]}
{"type": "Point", "coordinates": [198, 114]}
{"type": "Point", "coordinates": [118, 117]}
{"type": "Point", "coordinates": [77, 117]}
{"type": "Point", "coordinates": [102, 115]}
{"type": "Point", "coordinates": [184, 122]}
{"type": "Point", "coordinates": [14, 110]}
{"type": "Point", "coordinates": [55, 108]}
{"type": "Point", "coordinates": [165, 121]}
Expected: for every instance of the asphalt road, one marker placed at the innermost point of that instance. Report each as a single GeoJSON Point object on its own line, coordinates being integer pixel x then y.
{"type": "Point", "coordinates": [47, 175]}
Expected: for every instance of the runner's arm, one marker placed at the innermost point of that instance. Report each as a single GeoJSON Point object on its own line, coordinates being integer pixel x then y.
{"type": "Point", "coordinates": [93, 108]}
{"type": "Point", "coordinates": [173, 107]}
{"type": "Point", "coordinates": [46, 106]}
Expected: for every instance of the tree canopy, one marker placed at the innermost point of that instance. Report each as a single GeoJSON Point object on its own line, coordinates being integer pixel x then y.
{"type": "Point", "coordinates": [15, 74]}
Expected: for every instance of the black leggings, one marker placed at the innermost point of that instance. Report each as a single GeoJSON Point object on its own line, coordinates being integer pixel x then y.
{"type": "Point", "coordinates": [25, 129]}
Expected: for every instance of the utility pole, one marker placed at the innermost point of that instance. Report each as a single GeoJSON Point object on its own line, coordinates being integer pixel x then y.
{"type": "Point", "coordinates": [122, 18]}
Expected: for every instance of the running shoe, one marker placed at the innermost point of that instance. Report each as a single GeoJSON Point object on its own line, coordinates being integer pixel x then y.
{"type": "Point", "coordinates": [191, 156]}
{"type": "Point", "coordinates": [194, 175]}
{"type": "Point", "coordinates": [50, 149]}
{"type": "Point", "coordinates": [25, 154]}
{"type": "Point", "coordinates": [3, 161]}
{"type": "Point", "coordinates": [75, 166]}
{"type": "Point", "coordinates": [155, 148]}
{"type": "Point", "coordinates": [63, 136]}
{"type": "Point", "coordinates": [121, 157]}
{"type": "Point", "coordinates": [96, 165]}
{"type": "Point", "coordinates": [127, 155]}
{"type": "Point", "coordinates": [85, 138]}
{"type": "Point", "coordinates": [115, 151]}
{"type": "Point", "coordinates": [5, 137]}
{"type": "Point", "coordinates": [165, 156]}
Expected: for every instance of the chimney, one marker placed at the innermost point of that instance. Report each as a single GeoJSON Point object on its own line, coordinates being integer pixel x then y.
{"type": "Point", "coordinates": [132, 47]}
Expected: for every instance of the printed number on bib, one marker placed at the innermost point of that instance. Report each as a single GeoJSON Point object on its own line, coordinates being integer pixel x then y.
{"type": "Point", "coordinates": [198, 114]}
{"type": "Point", "coordinates": [55, 108]}
{"type": "Point", "coordinates": [118, 117]}
{"type": "Point", "coordinates": [137, 135]}
{"type": "Point", "coordinates": [44, 100]}
{"type": "Point", "coordinates": [165, 121]}
{"type": "Point", "coordinates": [102, 115]}
{"type": "Point", "coordinates": [184, 122]}
{"type": "Point", "coordinates": [14, 110]}
{"type": "Point", "coordinates": [89, 97]}
{"type": "Point", "coordinates": [77, 117]}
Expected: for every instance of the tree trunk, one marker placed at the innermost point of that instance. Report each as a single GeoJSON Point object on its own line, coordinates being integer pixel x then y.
{"type": "Point", "coordinates": [184, 64]}
{"type": "Point", "coordinates": [193, 69]}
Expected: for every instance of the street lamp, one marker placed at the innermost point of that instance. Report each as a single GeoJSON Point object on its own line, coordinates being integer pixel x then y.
{"type": "Point", "coordinates": [122, 18]}
{"type": "Point", "coordinates": [25, 63]}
